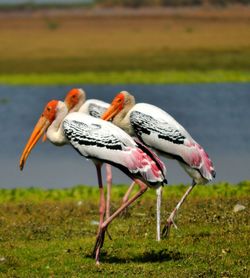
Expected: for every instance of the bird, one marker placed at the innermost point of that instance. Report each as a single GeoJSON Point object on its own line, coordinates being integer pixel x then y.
{"type": "Point", "coordinates": [77, 98]}
{"type": "Point", "coordinates": [102, 142]}
{"type": "Point", "coordinates": [75, 101]}
{"type": "Point", "coordinates": [157, 129]}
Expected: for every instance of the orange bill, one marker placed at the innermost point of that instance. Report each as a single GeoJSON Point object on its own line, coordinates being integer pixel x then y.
{"type": "Point", "coordinates": [38, 131]}
{"type": "Point", "coordinates": [114, 108]}
{"type": "Point", "coordinates": [110, 112]}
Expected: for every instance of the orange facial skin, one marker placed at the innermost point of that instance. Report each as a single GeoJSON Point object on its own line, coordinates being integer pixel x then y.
{"type": "Point", "coordinates": [72, 98]}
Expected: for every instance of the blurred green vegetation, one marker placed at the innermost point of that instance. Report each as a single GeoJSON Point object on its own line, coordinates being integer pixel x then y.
{"type": "Point", "coordinates": [127, 77]}
{"type": "Point", "coordinates": [200, 60]}
{"type": "Point", "coordinates": [173, 46]}
{"type": "Point", "coordinates": [80, 192]}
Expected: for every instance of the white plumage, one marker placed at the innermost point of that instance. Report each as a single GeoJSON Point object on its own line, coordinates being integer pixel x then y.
{"type": "Point", "coordinates": [160, 131]}
{"type": "Point", "coordinates": [102, 142]}
{"type": "Point", "coordinates": [171, 139]}
{"type": "Point", "coordinates": [76, 102]}
{"type": "Point", "coordinates": [94, 107]}
{"type": "Point", "coordinates": [98, 139]}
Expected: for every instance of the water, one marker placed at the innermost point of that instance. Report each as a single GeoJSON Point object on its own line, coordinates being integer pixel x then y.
{"type": "Point", "coordinates": [216, 115]}
{"type": "Point", "coordinates": [15, 2]}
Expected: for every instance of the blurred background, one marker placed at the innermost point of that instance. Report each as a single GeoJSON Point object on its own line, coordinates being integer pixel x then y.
{"type": "Point", "coordinates": [189, 57]}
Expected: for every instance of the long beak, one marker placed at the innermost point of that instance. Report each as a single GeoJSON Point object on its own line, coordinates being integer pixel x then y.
{"type": "Point", "coordinates": [41, 126]}
{"type": "Point", "coordinates": [44, 137]}
{"type": "Point", "coordinates": [110, 112]}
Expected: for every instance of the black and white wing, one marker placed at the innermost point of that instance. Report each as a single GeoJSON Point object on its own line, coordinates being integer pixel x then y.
{"type": "Point", "coordinates": [101, 140]}
{"type": "Point", "coordinates": [157, 129]}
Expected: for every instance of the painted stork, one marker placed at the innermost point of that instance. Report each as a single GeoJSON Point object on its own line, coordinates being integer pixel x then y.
{"type": "Point", "coordinates": [75, 101]}
{"type": "Point", "coordinates": [99, 141]}
{"type": "Point", "coordinates": [160, 131]}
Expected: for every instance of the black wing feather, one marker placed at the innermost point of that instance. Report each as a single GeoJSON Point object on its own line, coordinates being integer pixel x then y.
{"type": "Point", "coordinates": [145, 124]}
{"type": "Point", "coordinates": [90, 135]}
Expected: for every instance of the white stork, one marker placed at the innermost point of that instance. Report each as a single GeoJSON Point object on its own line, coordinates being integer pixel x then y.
{"type": "Point", "coordinates": [157, 129]}
{"type": "Point", "coordinates": [99, 141]}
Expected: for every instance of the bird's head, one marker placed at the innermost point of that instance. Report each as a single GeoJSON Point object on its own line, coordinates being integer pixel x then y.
{"type": "Point", "coordinates": [75, 99]}
{"type": "Point", "coordinates": [120, 101]}
{"type": "Point", "coordinates": [45, 120]}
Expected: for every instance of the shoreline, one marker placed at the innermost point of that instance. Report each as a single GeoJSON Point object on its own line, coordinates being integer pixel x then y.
{"type": "Point", "coordinates": [235, 11]}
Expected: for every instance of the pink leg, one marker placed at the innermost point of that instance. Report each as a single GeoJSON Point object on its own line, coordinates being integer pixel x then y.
{"type": "Point", "coordinates": [109, 185]}
{"type": "Point", "coordinates": [170, 221]}
{"type": "Point", "coordinates": [126, 196]}
{"type": "Point", "coordinates": [100, 238]}
{"type": "Point", "coordinates": [158, 207]}
{"type": "Point", "coordinates": [102, 197]}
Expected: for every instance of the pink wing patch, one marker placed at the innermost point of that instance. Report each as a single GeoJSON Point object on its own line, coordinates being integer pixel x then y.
{"type": "Point", "coordinates": [139, 161]}
{"type": "Point", "coordinates": [198, 158]}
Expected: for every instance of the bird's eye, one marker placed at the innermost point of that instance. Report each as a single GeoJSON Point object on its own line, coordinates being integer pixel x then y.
{"type": "Point", "coordinates": [48, 108]}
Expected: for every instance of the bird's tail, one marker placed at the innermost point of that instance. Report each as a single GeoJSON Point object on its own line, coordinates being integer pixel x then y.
{"type": "Point", "coordinates": [154, 157]}
{"type": "Point", "coordinates": [148, 168]}
{"type": "Point", "coordinates": [206, 166]}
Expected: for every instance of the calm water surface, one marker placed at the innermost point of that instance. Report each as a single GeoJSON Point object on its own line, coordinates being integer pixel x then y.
{"type": "Point", "coordinates": [216, 115]}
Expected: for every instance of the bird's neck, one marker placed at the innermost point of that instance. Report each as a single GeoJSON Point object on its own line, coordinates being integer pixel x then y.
{"type": "Point", "coordinates": [122, 119]}
{"type": "Point", "coordinates": [55, 132]}
{"type": "Point", "coordinates": [84, 108]}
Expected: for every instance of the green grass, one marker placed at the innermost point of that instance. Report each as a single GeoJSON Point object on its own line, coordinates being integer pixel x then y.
{"type": "Point", "coordinates": [82, 192]}
{"type": "Point", "coordinates": [127, 77]}
{"type": "Point", "coordinates": [101, 60]}
{"type": "Point", "coordinates": [49, 233]}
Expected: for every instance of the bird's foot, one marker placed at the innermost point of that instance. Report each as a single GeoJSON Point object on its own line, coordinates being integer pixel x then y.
{"type": "Point", "coordinates": [98, 245]}
{"type": "Point", "coordinates": [166, 229]}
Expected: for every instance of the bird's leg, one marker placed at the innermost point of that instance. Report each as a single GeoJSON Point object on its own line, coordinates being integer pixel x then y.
{"type": "Point", "coordinates": [126, 196]}
{"type": "Point", "coordinates": [100, 238]}
{"type": "Point", "coordinates": [170, 221]}
{"type": "Point", "coordinates": [109, 185]}
{"type": "Point", "coordinates": [158, 213]}
{"type": "Point", "coordinates": [102, 197]}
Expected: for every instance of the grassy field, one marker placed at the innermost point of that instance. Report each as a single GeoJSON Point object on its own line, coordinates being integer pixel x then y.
{"type": "Point", "coordinates": [50, 233]}
{"type": "Point", "coordinates": [169, 46]}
